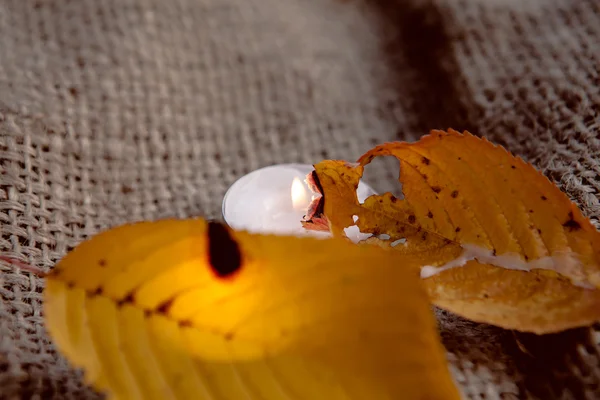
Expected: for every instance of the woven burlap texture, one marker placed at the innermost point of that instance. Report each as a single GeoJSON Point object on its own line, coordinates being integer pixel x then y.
{"type": "Point", "coordinates": [121, 110]}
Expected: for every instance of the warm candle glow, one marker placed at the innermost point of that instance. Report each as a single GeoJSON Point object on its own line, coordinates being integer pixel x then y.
{"type": "Point", "coordinates": [299, 198]}
{"type": "Point", "coordinates": [275, 199]}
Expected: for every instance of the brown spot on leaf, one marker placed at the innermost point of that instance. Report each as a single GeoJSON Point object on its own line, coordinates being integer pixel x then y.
{"type": "Point", "coordinates": [228, 336]}
{"type": "Point", "coordinates": [544, 198]}
{"type": "Point", "coordinates": [128, 299]}
{"type": "Point", "coordinates": [513, 167]}
{"type": "Point", "coordinates": [99, 290]}
{"type": "Point", "coordinates": [393, 199]}
{"type": "Point", "coordinates": [457, 229]}
{"type": "Point", "coordinates": [436, 189]}
{"type": "Point", "coordinates": [411, 219]}
{"type": "Point", "coordinates": [102, 262]}
{"type": "Point", "coordinates": [424, 235]}
{"type": "Point", "coordinates": [425, 160]}
{"type": "Point", "coordinates": [164, 307]}
{"type": "Point", "coordinates": [186, 323]}
{"type": "Point", "coordinates": [430, 214]}
{"type": "Point", "coordinates": [147, 313]}
{"type": "Point", "coordinates": [571, 224]}
{"type": "Point", "coordinates": [70, 285]}
{"type": "Point", "coordinates": [454, 194]}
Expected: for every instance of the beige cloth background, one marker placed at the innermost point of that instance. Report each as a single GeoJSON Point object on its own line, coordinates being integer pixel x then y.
{"type": "Point", "coordinates": [121, 110]}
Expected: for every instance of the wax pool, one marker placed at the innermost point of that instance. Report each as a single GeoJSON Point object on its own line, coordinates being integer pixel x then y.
{"type": "Point", "coordinates": [274, 199]}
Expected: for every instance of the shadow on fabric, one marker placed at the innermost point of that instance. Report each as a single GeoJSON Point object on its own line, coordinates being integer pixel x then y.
{"type": "Point", "coordinates": [431, 87]}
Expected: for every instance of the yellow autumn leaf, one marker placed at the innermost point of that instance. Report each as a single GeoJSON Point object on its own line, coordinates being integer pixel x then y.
{"type": "Point", "coordinates": [496, 241]}
{"type": "Point", "coordinates": [184, 309]}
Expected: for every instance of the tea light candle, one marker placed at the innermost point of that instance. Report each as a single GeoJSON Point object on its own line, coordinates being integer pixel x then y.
{"type": "Point", "coordinates": [274, 199]}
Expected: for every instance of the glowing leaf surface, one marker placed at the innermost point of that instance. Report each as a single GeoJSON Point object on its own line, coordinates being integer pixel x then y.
{"type": "Point", "coordinates": [186, 310]}
{"type": "Point", "coordinates": [494, 239]}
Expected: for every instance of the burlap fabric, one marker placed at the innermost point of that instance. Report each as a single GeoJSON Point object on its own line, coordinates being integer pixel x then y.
{"type": "Point", "coordinates": [122, 110]}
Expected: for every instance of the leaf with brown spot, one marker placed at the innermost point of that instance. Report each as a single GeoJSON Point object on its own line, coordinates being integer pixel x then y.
{"type": "Point", "coordinates": [486, 255]}
{"type": "Point", "coordinates": [185, 309]}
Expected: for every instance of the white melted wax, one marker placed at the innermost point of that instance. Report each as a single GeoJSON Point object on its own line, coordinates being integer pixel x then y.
{"type": "Point", "coordinates": [565, 263]}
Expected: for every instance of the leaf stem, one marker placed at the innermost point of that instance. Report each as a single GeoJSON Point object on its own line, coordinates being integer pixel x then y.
{"type": "Point", "coordinates": [24, 266]}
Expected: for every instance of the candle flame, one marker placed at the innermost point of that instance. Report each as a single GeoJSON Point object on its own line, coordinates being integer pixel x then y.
{"type": "Point", "coordinates": [299, 199]}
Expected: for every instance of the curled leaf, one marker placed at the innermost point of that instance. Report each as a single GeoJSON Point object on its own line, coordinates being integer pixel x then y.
{"type": "Point", "coordinates": [496, 241]}
{"type": "Point", "coordinates": [186, 309]}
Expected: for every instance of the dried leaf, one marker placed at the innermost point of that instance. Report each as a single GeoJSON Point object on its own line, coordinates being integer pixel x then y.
{"type": "Point", "coordinates": [497, 241]}
{"type": "Point", "coordinates": [189, 310]}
